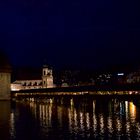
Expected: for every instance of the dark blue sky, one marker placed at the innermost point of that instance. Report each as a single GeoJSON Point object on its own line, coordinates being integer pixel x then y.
{"type": "Point", "coordinates": [81, 33]}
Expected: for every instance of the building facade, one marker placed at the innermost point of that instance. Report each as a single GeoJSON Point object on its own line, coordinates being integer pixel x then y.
{"type": "Point", "coordinates": [46, 81]}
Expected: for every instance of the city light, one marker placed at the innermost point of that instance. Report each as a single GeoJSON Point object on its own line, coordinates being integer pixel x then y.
{"type": "Point", "coordinates": [120, 74]}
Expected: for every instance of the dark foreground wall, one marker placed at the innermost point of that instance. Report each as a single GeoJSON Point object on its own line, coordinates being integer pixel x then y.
{"type": "Point", "coordinates": [5, 81]}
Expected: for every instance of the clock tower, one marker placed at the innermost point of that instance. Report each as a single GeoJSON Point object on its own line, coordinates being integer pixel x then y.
{"type": "Point", "coordinates": [47, 77]}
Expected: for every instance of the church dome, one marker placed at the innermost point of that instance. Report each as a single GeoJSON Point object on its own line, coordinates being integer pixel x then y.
{"type": "Point", "coordinates": [4, 63]}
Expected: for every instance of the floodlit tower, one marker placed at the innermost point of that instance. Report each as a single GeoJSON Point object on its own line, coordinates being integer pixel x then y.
{"type": "Point", "coordinates": [47, 77]}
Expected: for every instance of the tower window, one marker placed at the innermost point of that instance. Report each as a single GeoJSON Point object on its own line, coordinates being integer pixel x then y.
{"type": "Point", "coordinates": [24, 84]}
{"type": "Point", "coordinates": [44, 72]}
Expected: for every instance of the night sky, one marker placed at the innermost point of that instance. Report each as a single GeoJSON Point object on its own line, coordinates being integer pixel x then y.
{"type": "Point", "coordinates": [70, 33]}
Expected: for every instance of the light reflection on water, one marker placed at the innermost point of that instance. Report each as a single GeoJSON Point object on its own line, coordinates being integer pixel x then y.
{"type": "Point", "coordinates": [75, 119]}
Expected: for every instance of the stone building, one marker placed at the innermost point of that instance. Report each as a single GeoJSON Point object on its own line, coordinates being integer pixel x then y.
{"type": "Point", "coordinates": [44, 81]}
{"type": "Point", "coordinates": [5, 77]}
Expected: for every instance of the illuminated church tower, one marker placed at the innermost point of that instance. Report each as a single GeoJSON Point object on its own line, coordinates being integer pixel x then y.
{"type": "Point", "coordinates": [47, 77]}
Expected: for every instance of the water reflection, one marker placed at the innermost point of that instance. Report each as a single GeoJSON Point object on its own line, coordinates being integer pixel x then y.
{"type": "Point", "coordinates": [4, 120]}
{"type": "Point", "coordinates": [132, 108]}
{"type": "Point", "coordinates": [76, 119]}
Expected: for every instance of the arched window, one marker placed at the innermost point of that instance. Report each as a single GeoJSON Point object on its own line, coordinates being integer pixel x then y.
{"type": "Point", "coordinates": [30, 84]}
{"type": "Point", "coordinates": [24, 84]}
{"type": "Point", "coordinates": [35, 84]}
{"type": "Point", "coordinates": [44, 72]}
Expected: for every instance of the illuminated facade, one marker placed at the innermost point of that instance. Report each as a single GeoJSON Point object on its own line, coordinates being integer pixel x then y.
{"type": "Point", "coordinates": [47, 78]}
{"type": "Point", "coordinates": [45, 82]}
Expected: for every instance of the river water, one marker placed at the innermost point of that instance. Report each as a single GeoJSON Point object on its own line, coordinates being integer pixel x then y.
{"type": "Point", "coordinates": [69, 119]}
